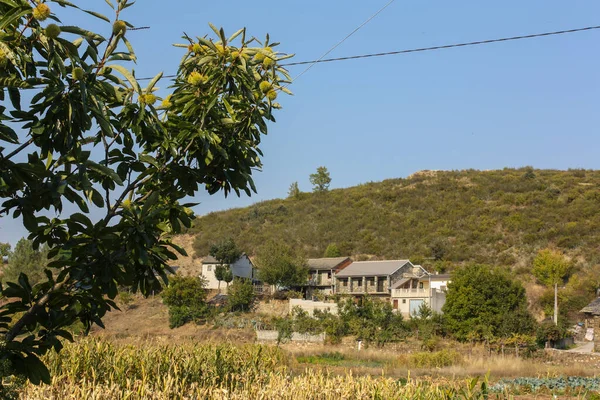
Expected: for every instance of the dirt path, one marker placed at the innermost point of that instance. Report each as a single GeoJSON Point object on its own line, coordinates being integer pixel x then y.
{"type": "Point", "coordinates": [583, 348]}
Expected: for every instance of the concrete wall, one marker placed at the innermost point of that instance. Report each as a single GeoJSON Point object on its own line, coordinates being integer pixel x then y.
{"type": "Point", "coordinates": [242, 268]}
{"type": "Point", "coordinates": [310, 306]}
{"type": "Point", "coordinates": [268, 335]}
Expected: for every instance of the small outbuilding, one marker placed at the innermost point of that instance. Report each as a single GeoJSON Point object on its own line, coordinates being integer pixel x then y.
{"type": "Point", "coordinates": [592, 322]}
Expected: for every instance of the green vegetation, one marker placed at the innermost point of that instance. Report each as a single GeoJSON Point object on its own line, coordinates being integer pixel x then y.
{"type": "Point", "coordinates": [89, 134]}
{"type": "Point", "coordinates": [103, 370]}
{"type": "Point", "coordinates": [294, 191]}
{"type": "Point", "coordinates": [320, 180]}
{"type": "Point", "coordinates": [485, 302]}
{"type": "Point", "coordinates": [25, 259]}
{"type": "Point", "coordinates": [226, 253]}
{"type": "Point", "coordinates": [440, 219]}
{"type": "Point", "coordinates": [489, 217]}
{"type": "Point", "coordinates": [280, 265]}
{"type": "Point", "coordinates": [186, 299]}
{"type": "Point", "coordinates": [332, 251]}
{"type": "Point", "coordinates": [240, 295]}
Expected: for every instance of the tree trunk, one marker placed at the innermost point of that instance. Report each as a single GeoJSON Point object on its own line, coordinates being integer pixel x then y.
{"type": "Point", "coordinates": [219, 287]}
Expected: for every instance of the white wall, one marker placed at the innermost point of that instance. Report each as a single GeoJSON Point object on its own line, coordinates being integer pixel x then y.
{"type": "Point", "coordinates": [310, 306]}
{"type": "Point", "coordinates": [438, 284]}
{"type": "Point", "coordinates": [242, 268]}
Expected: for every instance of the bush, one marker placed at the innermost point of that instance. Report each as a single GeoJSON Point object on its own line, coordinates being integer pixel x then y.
{"type": "Point", "coordinates": [240, 295]}
{"type": "Point", "coordinates": [186, 299]}
{"type": "Point", "coordinates": [438, 359]}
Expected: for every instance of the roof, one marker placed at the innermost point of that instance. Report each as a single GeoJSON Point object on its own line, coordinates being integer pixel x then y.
{"type": "Point", "coordinates": [371, 268]}
{"type": "Point", "coordinates": [438, 277]}
{"type": "Point", "coordinates": [326, 263]}
{"type": "Point", "coordinates": [592, 308]}
{"type": "Point", "coordinates": [400, 283]}
{"type": "Point", "coordinates": [212, 260]}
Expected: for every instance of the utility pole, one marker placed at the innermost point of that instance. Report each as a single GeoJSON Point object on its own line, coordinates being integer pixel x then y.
{"type": "Point", "coordinates": [555, 303]}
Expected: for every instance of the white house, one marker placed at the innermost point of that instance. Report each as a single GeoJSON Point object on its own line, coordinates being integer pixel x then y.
{"type": "Point", "coordinates": [242, 268]}
{"type": "Point", "coordinates": [421, 288]}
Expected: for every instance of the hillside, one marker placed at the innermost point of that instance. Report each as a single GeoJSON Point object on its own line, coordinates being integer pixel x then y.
{"type": "Point", "coordinates": [497, 217]}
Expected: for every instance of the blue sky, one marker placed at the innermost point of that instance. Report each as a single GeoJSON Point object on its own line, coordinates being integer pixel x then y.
{"type": "Point", "coordinates": [531, 102]}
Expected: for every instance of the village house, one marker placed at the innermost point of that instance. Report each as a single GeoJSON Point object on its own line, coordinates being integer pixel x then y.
{"type": "Point", "coordinates": [241, 268]}
{"type": "Point", "coordinates": [321, 274]}
{"type": "Point", "coordinates": [419, 287]}
{"type": "Point", "coordinates": [405, 285]}
{"type": "Point", "coordinates": [592, 322]}
{"type": "Point", "coordinates": [374, 278]}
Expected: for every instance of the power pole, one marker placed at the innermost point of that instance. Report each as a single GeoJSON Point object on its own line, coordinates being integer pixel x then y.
{"type": "Point", "coordinates": [555, 303]}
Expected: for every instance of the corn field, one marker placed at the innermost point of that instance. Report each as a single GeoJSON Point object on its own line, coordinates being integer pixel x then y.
{"type": "Point", "coordinates": [97, 369]}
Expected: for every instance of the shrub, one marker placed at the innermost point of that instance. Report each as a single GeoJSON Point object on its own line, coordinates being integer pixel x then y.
{"type": "Point", "coordinates": [240, 295]}
{"type": "Point", "coordinates": [438, 359]}
{"type": "Point", "coordinates": [186, 299]}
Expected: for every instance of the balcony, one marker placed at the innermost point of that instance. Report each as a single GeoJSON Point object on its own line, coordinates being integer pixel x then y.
{"type": "Point", "coordinates": [410, 293]}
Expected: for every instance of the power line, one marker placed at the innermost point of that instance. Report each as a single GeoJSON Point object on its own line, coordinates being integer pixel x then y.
{"type": "Point", "coordinates": [447, 46]}
{"type": "Point", "coordinates": [422, 49]}
{"type": "Point", "coordinates": [312, 63]}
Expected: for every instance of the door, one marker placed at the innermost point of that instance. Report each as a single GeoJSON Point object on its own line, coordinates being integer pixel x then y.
{"type": "Point", "coordinates": [414, 306]}
{"type": "Point", "coordinates": [380, 285]}
{"type": "Point", "coordinates": [395, 304]}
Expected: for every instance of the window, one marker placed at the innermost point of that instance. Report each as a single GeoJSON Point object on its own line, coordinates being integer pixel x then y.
{"type": "Point", "coordinates": [403, 301]}
{"type": "Point", "coordinates": [329, 275]}
{"type": "Point", "coordinates": [345, 282]}
{"type": "Point", "coordinates": [209, 268]}
{"type": "Point", "coordinates": [359, 282]}
{"type": "Point", "coordinates": [371, 281]}
{"type": "Point", "coordinates": [420, 285]}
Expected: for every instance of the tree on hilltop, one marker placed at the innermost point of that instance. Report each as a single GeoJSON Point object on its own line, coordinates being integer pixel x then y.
{"type": "Point", "coordinates": [320, 180]}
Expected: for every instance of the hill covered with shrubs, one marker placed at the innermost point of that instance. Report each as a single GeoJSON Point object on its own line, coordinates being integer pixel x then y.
{"type": "Point", "coordinates": [439, 218]}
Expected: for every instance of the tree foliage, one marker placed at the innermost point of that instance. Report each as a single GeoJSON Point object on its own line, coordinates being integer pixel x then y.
{"type": "Point", "coordinates": [294, 191]}
{"type": "Point", "coordinates": [320, 180]}
{"type": "Point", "coordinates": [25, 259]}
{"type": "Point", "coordinates": [240, 295]}
{"type": "Point", "coordinates": [278, 264]}
{"type": "Point", "coordinates": [332, 251]}
{"type": "Point", "coordinates": [225, 252]}
{"type": "Point", "coordinates": [551, 267]}
{"type": "Point", "coordinates": [186, 299]}
{"type": "Point", "coordinates": [4, 249]}
{"type": "Point", "coordinates": [90, 134]}
{"type": "Point", "coordinates": [484, 299]}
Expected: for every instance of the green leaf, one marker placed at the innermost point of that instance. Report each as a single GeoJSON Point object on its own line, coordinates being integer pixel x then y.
{"type": "Point", "coordinates": [97, 15]}
{"type": "Point", "coordinates": [104, 170]}
{"type": "Point", "coordinates": [129, 48]}
{"type": "Point", "coordinates": [96, 198]}
{"type": "Point", "coordinates": [83, 32]}
{"type": "Point", "coordinates": [125, 72]}
{"type": "Point", "coordinates": [232, 37]}
{"type": "Point", "coordinates": [13, 16]}
{"type": "Point", "coordinates": [153, 82]}
{"type": "Point", "coordinates": [215, 30]}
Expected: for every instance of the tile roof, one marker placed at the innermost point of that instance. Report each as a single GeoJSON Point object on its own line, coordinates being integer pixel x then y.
{"type": "Point", "coordinates": [592, 308]}
{"type": "Point", "coordinates": [438, 277]}
{"type": "Point", "coordinates": [326, 263]}
{"type": "Point", "coordinates": [371, 268]}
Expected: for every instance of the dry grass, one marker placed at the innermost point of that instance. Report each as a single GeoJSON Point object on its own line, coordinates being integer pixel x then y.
{"type": "Point", "coordinates": [471, 362]}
